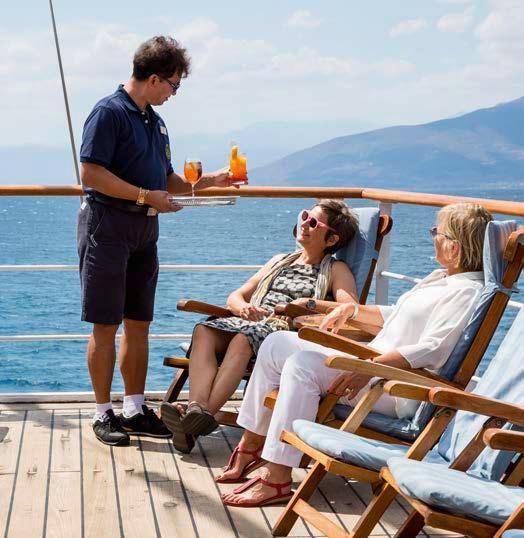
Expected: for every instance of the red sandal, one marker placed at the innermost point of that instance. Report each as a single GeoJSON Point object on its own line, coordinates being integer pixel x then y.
{"type": "Point", "coordinates": [248, 468]}
{"type": "Point", "coordinates": [278, 498]}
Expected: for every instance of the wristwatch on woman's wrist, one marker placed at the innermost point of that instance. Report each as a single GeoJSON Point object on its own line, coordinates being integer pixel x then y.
{"type": "Point", "coordinates": [311, 304]}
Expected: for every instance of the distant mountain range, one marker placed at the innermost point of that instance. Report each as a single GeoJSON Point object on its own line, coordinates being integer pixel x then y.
{"type": "Point", "coordinates": [485, 147]}
{"type": "Point", "coordinates": [263, 143]}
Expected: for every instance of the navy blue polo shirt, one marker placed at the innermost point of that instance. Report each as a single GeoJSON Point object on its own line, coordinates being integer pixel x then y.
{"type": "Point", "coordinates": [131, 143]}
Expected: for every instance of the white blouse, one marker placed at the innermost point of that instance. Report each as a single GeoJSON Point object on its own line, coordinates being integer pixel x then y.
{"type": "Point", "coordinates": [426, 322]}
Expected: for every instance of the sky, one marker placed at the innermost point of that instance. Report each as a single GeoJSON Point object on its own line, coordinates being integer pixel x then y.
{"type": "Point", "coordinates": [380, 62]}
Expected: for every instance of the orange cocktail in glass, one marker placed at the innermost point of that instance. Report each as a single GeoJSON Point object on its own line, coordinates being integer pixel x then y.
{"type": "Point", "coordinates": [192, 173]}
{"type": "Point", "coordinates": [238, 167]}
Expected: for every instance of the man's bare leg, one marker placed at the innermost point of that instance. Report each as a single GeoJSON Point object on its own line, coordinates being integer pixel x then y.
{"type": "Point", "coordinates": [101, 363]}
{"type": "Point", "coordinates": [133, 356]}
{"type": "Point", "coordinates": [101, 360]}
{"type": "Point", "coordinates": [136, 418]}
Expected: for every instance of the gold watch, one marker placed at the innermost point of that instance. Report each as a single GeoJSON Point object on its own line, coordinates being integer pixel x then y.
{"type": "Point", "coordinates": [141, 199]}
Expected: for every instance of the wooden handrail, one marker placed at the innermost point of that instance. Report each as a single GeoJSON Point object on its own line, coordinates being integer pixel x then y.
{"type": "Point", "coordinates": [504, 207]}
{"type": "Point", "coordinates": [248, 191]}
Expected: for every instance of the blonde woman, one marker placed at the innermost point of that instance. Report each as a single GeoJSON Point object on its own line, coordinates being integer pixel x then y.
{"type": "Point", "coordinates": [419, 331]}
{"type": "Point", "coordinates": [308, 275]}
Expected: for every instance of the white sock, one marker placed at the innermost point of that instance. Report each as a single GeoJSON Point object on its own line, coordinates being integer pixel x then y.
{"type": "Point", "coordinates": [133, 405]}
{"type": "Point", "coordinates": [101, 410]}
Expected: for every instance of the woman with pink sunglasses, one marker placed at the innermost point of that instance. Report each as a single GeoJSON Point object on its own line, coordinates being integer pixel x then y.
{"type": "Point", "coordinates": [419, 331]}
{"type": "Point", "coordinates": [305, 277]}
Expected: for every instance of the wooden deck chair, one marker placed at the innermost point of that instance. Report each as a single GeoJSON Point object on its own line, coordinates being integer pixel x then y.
{"type": "Point", "coordinates": [360, 254]}
{"type": "Point", "coordinates": [459, 500]}
{"type": "Point", "coordinates": [503, 260]}
{"type": "Point", "coordinates": [399, 433]}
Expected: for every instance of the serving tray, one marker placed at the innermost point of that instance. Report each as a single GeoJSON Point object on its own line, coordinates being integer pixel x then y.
{"type": "Point", "coordinates": [206, 201]}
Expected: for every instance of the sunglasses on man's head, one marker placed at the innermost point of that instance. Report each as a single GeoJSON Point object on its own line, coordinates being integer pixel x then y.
{"type": "Point", "coordinates": [313, 222]}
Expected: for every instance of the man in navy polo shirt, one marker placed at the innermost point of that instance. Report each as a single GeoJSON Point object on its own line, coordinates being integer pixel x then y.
{"type": "Point", "coordinates": [128, 178]}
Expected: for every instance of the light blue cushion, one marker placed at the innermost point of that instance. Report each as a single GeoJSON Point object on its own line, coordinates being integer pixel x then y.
{"type": "Point", "coordinates": [513, 533]}
{"type": "Point", "coordinates": [360, 252]}
{"type": "Point", "coordinates": [503, 380]}
{"type": "Point", "coordinates": [347, 447]}
{"type": "Point", "coordinates": [496, 237]}
{"type": "Point", "coordinates": [456, 492]}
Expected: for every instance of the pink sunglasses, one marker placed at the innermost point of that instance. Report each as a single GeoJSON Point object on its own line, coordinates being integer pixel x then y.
{"type": "Point", "coordinates": [313, 222]}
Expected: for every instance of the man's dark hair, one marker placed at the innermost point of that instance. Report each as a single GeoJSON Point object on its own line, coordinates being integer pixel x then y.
{"type": "Point", "coordinates": [162, 56]}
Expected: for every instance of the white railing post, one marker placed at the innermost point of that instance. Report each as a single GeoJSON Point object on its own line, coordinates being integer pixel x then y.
{"type": "Point", "coordinates": [381, 282]}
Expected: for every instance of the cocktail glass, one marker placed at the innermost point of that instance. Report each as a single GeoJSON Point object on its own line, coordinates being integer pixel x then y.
{"type": "Point", "coordinates": [238, 166]}
{"type": "Point", "coordinates": [192, 172]}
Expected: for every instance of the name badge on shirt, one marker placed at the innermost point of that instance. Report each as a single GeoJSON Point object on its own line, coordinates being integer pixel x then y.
{"type": "Point", "coordinates": [163, 130]}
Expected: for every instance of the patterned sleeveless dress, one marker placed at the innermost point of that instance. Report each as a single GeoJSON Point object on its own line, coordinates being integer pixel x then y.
{"type": "Point", "coordinates": [292, 282]}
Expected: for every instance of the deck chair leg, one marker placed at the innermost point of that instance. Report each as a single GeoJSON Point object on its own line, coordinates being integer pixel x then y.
{"type": "Point", "coordinates": [374, 511]}
{"type": "Point", "coordinates": [176, 385]}
{"type": "Point", "coordinates": [412, 526]}
{"type": "Point", "coordinates": [308, 486]}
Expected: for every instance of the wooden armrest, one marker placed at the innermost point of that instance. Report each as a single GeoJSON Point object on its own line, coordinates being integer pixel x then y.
{"type": "Point", "coordinates": [375, 369]}
{"type": "Point", "coordinates": [373, 330]}
{"type": "Point", "coordinates": [401, 389]}
{"type": "Point", "coordinates": [296, 311]}
{"type": "Point", "coordinates": [504, 440]}
{"type": "Point", "coordinates": [334, 341]}
{"type": "Point", "coordinates": [292, 310]}
{"type": "Point", "coordinates": [477, 404]}
{"type": "Point", "coordinates": [199, 307]}
{"type": "Point", "coordinates": [347, 331]}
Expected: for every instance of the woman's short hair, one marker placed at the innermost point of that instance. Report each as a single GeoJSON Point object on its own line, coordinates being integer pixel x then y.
{"type": "Point", "coordinates": [466, 223]}
{"type": "Point", "coordinates": [342, 219]}
{"type": "Point", "coordinates": [162, 56]}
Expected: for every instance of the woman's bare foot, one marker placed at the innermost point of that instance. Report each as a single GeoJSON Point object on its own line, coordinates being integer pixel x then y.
{"type": "Point", "coordinates": [270, 489]}
{"type": "Point", "coordinates": [243, 461]}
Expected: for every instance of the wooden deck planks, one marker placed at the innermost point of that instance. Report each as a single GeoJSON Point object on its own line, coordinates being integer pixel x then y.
{"type": "Point", "coordinates": [166, 484]}
{"type": "Point", "coordinates": [210, 515]}
{"type": "Point", "coordinates": [65, 506]}
{"type": "Point", "coordinates": [101, 509]}
{"type": "Point", "coordinates": [12, 424]}
{"type": "Point", "coordinates": [138, 515]}
{"type": "Point", "coordinates": [57, 480]}
{"type": "Point", "coordinates": [29, 502]}
{"type": "Point", "coordinates": [345, 502]}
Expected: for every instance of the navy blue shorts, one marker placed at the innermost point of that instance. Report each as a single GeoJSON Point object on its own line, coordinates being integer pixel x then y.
{"type": "Point", "coordinates": [118, 263]}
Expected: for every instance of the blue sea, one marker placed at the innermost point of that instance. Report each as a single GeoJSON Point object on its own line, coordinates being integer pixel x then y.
{"type": "Point", "coordinates": [42, 230]}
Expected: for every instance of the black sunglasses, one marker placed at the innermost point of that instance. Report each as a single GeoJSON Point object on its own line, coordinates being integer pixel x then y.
{"type": "Point", "coordinates": [433, 232]}
{"type": "Point", "coordinates": [174, 87]}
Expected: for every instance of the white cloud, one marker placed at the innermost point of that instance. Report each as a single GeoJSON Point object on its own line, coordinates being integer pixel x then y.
{"type": "Point", "coordinates": [237, 81]}
{"type": "Point", "coordinates": [455, 22]}
{"type": "Point", "coordinates": [408, 27]}
{"type": "Point", "coordinates": [500, 36]}
{"type": "Point", "coordinates": [197, 30]}
{"type": "Point", "coordinates": [303, 18]}
{"type": "Point", "coordinates": [393, 68]}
